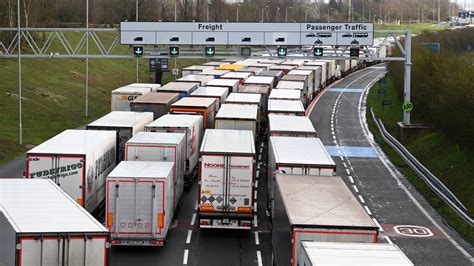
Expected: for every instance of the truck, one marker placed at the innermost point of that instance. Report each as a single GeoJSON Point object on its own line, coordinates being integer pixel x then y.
{"type": "Point", "coordinates": [241, 76]}
{"type": "Point", "coordinates": [202, 80]}
{"type": "Point", "coordinates": [325, 75]}
{"type": "Point", "coordinates": [294, 85]}
{"type": "Point", "coordinates": [236, 116]}
{"type": "Point", "coordinates": [317, 74]}
{"type": "Point", "coordinates": [218, 93]}
{"type": "Point", "coordinates": [231, 84]}
{"type": "Point", "coordinates": [226, 179]}
{"type": "Point", "coordinates": [78, 161]}
{"type": "Point", "coordinates": [263, 66]}
{"type": "Point", "coordinates": [264, 92]}
{"type": "Point", "coordinates": [184, 89]}
{"type": "Point", "coordinates": [315, 208]}
{"type": "Point", "coordinates": [192, 127]}
{"type": "Point", "coordinates": [285, 94]}
{"type": "Point", "coordinates": [161, 147]}
{"type": "Point", "coordinates": [315, 253]}
{"type": "Point", "coordinates": [291, 126]}
{"type": "Point", "coordinates": [286, 107]}
{"type": "Point", "coordinates": [123, 96]}
{"type": "Point", "coordinates": [284, 68]}
{"type": "Point", "coordinates": [297, 156]}
{"type": "Point", "coordinates": [251, 70]}
{"type": "Point", "coordinates": [139, 206]}
{"type": "Point", "coordinates": [260, 81]}
{"type": "Point", "coordinates": [310, 75]}
{"type": "Point", "coordinates": [303, 79]}
{"type": "Point", "coordinates": [124, 125]}
{"type": "Point", "coordinates": [157, 102]}
{"type": "Point", "coordinates": [192, 70]}
{"type": "Point", "coordinates": [40, 224]}
{"type": "Point", "coordinates": [214, 73]}
{"type": "Point", "coordinates": [206, 107]}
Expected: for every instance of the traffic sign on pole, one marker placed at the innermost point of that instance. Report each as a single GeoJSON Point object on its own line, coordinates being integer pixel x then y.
{"type": "Point", "coordinates": [407, 106]}
{"type": "Point", "coordinates": [246, 51]}
{"type": "Point", "coordinates": [318, 51]}
{"type": "Point", "coordinates": [138, 51]}
{"type": "Point", "coordinates": [354, 52]}
{"type": "Point", "coordinates": [174, 51]}
{"type": "Point", "coordinates": [281, 51]}
{"type": "Point", "coordinates": [210, 51]}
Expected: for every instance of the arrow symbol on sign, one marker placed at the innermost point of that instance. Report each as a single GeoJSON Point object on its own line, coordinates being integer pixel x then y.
{"type": "Point", "coordinates": [138, 51]}
{"type": "Point", "coordinates": [281, 52]}
{"type": "Point", "coordinates": [210, 51]}
{"type": "Point", "coordinates": [318, 52]}
{"type": "Point", "coordinates": [174, 51]}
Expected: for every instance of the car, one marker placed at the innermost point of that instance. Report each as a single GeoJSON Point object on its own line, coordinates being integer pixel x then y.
{"type": "Point", "coordinates": [354, 42]}
{"type": "Point", "coordinates": [310, 35]}
{"type": "Point", "coordinates": [281, 39]}
{"type": "Point", "coordinates": [211, 39]}
{"type": "Point", "coordinates": [347, 35]}
{"type": "Point", "coordinates": [174, 39]}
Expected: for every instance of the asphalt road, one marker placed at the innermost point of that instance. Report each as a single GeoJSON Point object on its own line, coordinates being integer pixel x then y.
{"type": "Point", "coordinates": [339, 118]}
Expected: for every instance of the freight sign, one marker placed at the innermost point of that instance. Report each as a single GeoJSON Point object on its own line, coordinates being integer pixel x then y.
{"type": "Point", "coordinates": [213, 33]}
{"type": "Point", "coordinates": [407, 106]}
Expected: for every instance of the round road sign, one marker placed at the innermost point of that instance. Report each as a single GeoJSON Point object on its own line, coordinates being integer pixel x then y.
{"type": "Point", "coordinates": [407, 106]}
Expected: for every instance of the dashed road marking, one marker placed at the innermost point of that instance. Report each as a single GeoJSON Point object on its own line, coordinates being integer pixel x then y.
{"type": "Point", "coordinates": [342, 158]}
{"type": "Point", "coordinates": [188, 238]}
{"type": "Point", "coordinates": [256, 184]}
{"type": "Point", "coordinates": [255, 194]}
{"type": "Point", "coordinates": [196, 206]}
{"type": "Point", "coordinates": [255, 222]}
{"type": "Point", "coordinates": [377, 223]}
{"type": "Point", "coordinates": [259, 258]}
{"type": "Point", "coordinates": [361, 199]}
{"type": "Point", "coordinates": [388, 239]}
{"type": "Point", "coordinates": [351, 179]}
{"type": "Point", "coordinates": [193, 220]}
{"type": "Point", "coordinates": [355, 188]}
{"type": "Point", "coordinates": [367, 209]}
{"type": "Point", "coordinates": [255, 206]}
{"type": "Point", "coordinates": [260, 157]}
{"type": "Point", "coordinates": [258, 174]}
{"type": "Point", "coordinates": [348, 172]}
{"type": "Point", "coordinates": [185, 258]}
{"type": "Point", "coordinates": [257, 241]}
{"type": "Point", "coordinates": [345, 165]}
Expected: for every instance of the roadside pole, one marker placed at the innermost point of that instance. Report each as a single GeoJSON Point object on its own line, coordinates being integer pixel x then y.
{"type": "Point", "coordinates": [407, 82]}
{"type": "Point", "coordinates": [136, 19]}
{"type": "Point", "coordinates": [87, 59]}
{"type": "Point", "coordinates": [20, 126]}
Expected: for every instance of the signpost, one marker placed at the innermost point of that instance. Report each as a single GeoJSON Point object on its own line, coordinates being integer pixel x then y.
{"type": "Point", "coordinates": [246, 51]}
{"type": "Point", "coordinates": [318, 51]}
{"type": "Point", "coordinates": [210, 51]}
{"type": "Point", "coordinates": [354, 52]}
{"type": "Point", "coordinates": [157, 63]}
{"type": "Point", "coordinates": [407, 106]}
{"type": "Point", "coordinates": [174, 51]}
{"type": "Point", "coordinates": [138, 51]}
{"type": "Point", "coordinates": [282, 51]}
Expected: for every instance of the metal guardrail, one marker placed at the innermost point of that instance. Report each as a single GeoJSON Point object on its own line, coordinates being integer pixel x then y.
{"type": "Point", "coordinates": [431, 180]}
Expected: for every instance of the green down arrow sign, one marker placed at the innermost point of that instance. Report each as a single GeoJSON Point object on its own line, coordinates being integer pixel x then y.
{"type": "Point", "coordinates": [318, 51]}
{"type": "Point", "coordinates": [174, 51]}
{"type": "Point", "coordinates": [210, 51]}
{"type": "Point", "coordinates": [138, 51]}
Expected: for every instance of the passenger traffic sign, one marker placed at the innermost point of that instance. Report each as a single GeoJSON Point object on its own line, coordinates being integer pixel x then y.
{"type": "Point", "coordinates": [407, 106]}
{"type": "Point", "coordinates": [174, 51]}
{"type": "Point", "coordinates": [281, 51]}
{"type": "Point", "coordinates": [210, 51]}
{"type": "Point", "coordinates": [138, 51]}
{"type": "Point", "coordinates": [318, 51]}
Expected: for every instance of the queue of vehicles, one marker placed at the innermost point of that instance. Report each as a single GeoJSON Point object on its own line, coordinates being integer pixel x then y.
{"type": "Point", "coordinates": [134, 164]}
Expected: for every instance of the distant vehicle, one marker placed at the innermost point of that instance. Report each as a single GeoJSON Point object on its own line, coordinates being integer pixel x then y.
{"type": "Point", "coordinates": [310, 35]}
{"type": "Point", "coordinates": [211, 39]}
{"type": "Point", "coordinates": [355, 42]}
{"type": "Point", "coordinates": [325, 35]}
{"type": "Point", "coordinates": [174, 39]}
{"type": "Point", "coordinates": [347, 35]}
{"type": "Point", "coordinates": [246, 39]}
{"type": "Point", "coordinates": [361, 35]}
{"type": "Point", "coordinates": [280, 40]}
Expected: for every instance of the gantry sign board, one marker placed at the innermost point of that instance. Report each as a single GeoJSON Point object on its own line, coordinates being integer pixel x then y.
{"type": "Point", "coordinates": [216, 33]}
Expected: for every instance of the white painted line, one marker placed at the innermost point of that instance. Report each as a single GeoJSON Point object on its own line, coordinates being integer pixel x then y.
{"type": "Point", "coordinates": [361, 199]}
{"type": "Point", "coordinates": [260, 157]}
{"type": "Point", "coordinates": [255, 222]}
{"type": "Point", "coordinates": [345, 165]}
{"type": "Point", "coordinates": [388, 239]}
{"type": "Point", "coordinates": [185, 258]}
{"type": "Point", "coordinates": [196, 206]}
{"type": "Point", "coordinates": [256, 183]}
{"type": "Point", "coordinates": [261, 145]}
{"type": "Point", "coordinates": [258, 175]}
{"type": "Point", "coordinates": [193, 220]}
{"type": "Point", "coordinates": [351, 179]}
{"type": "Point", "coordinates": [355, 188]}
{"type": "Point", "coordinates": [188, 239]}
{"type": "Point", "coordinates": [261, 150]}
{"type": "Point", "coordinates": [255, 194]}
{"type": "Point", "coordinates": [335, 142]}
{"type": "Point", "coordinates": [368, 211]}
{"type": "Point", "coordinates": [348, 172]}
{"type": "Point", "coordinates": [255, 206]}
{"type": "Point", "coordinates": [259, 258]}
{"type": "Point", "coordinates": [342, 158]}
{"type": "Point", "coordinates": [257, 241]}
{"type": "Point", "coordinates": [377, 223]}
{"type": "Point", "coordinates": [334, 137]}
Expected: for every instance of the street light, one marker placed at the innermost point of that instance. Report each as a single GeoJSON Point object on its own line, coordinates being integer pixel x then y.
{"type": "Point", "coordinates": [278, 13]}
{"type": "Point", "coordinates": [286, 13]}
{"type": "Point", "coordinates": [363, 12]}
{"type": "Point", "coordinates": [329, 9]}
{"type": "Point", "coordinates": [238, 5]}
{"type": "Point", "coordinates": [263, 10]}
{"type": "Point", "coordinates": [207, 11]}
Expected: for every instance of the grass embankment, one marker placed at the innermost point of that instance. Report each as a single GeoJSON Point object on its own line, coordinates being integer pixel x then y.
{"type": "Point", "coordinates": [53, 94]}
{"type": "Point", "coordinates": [414, 28]}
{"type": "Point", "coordinates": [446, 160]}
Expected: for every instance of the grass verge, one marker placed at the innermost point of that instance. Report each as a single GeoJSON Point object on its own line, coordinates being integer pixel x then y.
{"type": "Point", "coordinates": [436, 153]}
{"type": "Point", "coordinates": [414, 28]}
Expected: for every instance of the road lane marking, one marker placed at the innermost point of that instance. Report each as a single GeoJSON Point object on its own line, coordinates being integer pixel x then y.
{"type": "Point", "coordinates": [342, 158]}
{"type": "Point", "coordinates": [261, 145]}
{"type": "Point", "coordinates": [185, 258]}
{"type": "Point", "coordinates": [348, 172]}
{"type": "Point", "coordinates": [351, 179]}
{"type": "Point", "coordinates": [368, 211]}
{"type": "Point", "coordinates": [193, 220]}
{"type": "Point", "coordinates": [255, 222]}
{"type": "Point", "coordinates": [361, 199]}
{"type": "Point", "coordinates": [255, 194]}
{"type": "Point", "coordinates": [188, 238]}
{"type": "Point", "coordinates": [256, 183]}
{"type": "Point", "coordinates": [258, 174]}
{"type": "Point", "coordinates": [377, 223]}
{"type": "Point", "coordinates": [260, 157]}
{"type": "Point", "coordinates": [388, 239]}
{"type": "Point", "coordinates": [259, 258]}
{"type": "Point", "coordinates": [257, 241]}
{"type": "Point", "coordinates": [255, 206]}
{"type": "Point", "coordinates": [355, 188]}
{"type": "Point", "coordinates": [196, 206]}
{"type": "Point", "coordinates": [345, 165]}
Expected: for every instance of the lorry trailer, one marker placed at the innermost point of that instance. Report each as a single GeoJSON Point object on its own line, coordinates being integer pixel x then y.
{"type": "Point", "coordinates": [157, 102]}
{"type": "Point", "coordinates": [219, 93]}
{"type": "Point", "coordinates": [194, 70]}
{"type": "Point", "coordinates": [184, 89]}
{"type": "Point", "coordinates": [205, 107]}
{"type": "Point", "coordinates": [78, 161]}
{"type": "Point", "coordinates": [201, 79]}
{"type": "Point", "coordinates": [285, 107]}
{"type": "Point", "coordinates": [291, 126]}
{"type": "Point", "coordinates": [236, 116]}
{"type": "Point", "coordinates": [231, 84]}
{"type": "Point", "coordinates": [41, 225]}
{"type": "Point", "coordinates": [226, 179]}
{"type": "Point", "coordinates": [122, 97]}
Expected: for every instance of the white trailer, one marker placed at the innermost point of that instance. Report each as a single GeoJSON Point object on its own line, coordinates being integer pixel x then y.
{"type": "Point", "coordinates": [139, 206]}
{"type": "Point", "coordinates": [41, 225]}
{"type": "Point", "coordinates": [194, 70]}
{"type": "Point", "coordinates": [317, 73]}
{"type": "Point", "coordinates": [284, 68]}
{"type": "Point", "coordinates": [124, 124]}
{"type": "Point", "coordinates": [325, 253]}
{"type": "Point", "coordinates": [315, 208]}
{"type": "Point", "coordinates": [192, 127]}
{"type": "Point", "coordinates": [252, 70]}
{"type": "Point", "coordinates": [293, 85]}
{"type": "Point", "coordinates": [201, 79]}
{"type": "Point", "coordinates": [226, 193]}
{"type": "Point", "coordinates": [214, 63]}
{"type": "Point", "coordinates": [285, 94]}
{"type": "Point", "coordinates": [241, 76]}
{"type": "Point", "coordinates": [183, 88]}
{"type": "Point", "coordinates": [286, 107]}
{"type": "Point", "coordinates": [297, 156]}
{"type": "Point", "coordinates": [291, 126]}
{"type": "Point", "coordinates": [276, 74]}
{"type": "Point", "coordinates": [260, 81]}
{"type": "Point", "coordinates": [206, 107]}
{"type": "Point", "coordinates": [248, 98]}
{"type": "Point", "coordinates": [122, 97]}
{"type": "Point", "coordinates": [214, 73]}
{"type": "Point", "coordinates": [78, 161]}
{"type": "Point", "coordinates": [236, 116]}
{"type": "Point", "coordinates": [219, 93]}
{"type": "Point", "coordinates": [264, 92]}
{"type": "Point", "coordinates": [231, 84]}
{"type": "Point", "coordinates": [161, 147]}
{"type": "Point", "coordinates": [325, 75]}
{"type": "Point", "coordinates": [302, 79]}
{"type": "Point", "coordinates": [153, 86]}
{"type": "Point", "coordinates": [310, 75]}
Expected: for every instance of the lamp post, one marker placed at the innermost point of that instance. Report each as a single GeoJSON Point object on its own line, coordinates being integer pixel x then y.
{"type": "Point", "coordinates": [278, 13]}
{"type": "Point", "coordinates": [175, 9]}
{"type": "Point", "coordinates": [286, 13]}
{"type": "Point", "coordinates": [363, 12]}
{"type": "Point", "coordinates": [237, 19]}
{"type": "Point", "coordinates": [329, 9]}
{"type": "Point", "coordinates": [20, 126]}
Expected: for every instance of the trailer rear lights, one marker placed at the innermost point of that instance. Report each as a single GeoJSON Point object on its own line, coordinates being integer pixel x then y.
{"type": "Point", "coordinates": [245, 209]}
{"type": "Point", "coordinates": [158, 243]}
{"type": "Point", "coordinates": [80, 202]}
{"type": "Point", "coordinates": [204, 222]}
{"type": "Point", "coordinates": [207, 208]}
{"type": "Point", "coordinates": [110, 219]}
{"type": "Point", "coordinates": [116, 242]}
{"type": "Point", "coordinates": [246, 223]}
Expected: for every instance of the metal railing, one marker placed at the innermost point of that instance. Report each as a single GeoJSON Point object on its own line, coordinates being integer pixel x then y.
{"type": "Point", "coordinates": [431, 180]}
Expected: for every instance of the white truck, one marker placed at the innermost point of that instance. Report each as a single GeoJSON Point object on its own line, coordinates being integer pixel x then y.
{"type": "Point", "coordinates": [124, 124]}
{"type": "Point", "coordinates": [214, 73]}
{"type": "Point", "coordinates": [161, 147]}
{"type": "Point", "coordinates": [260, 81]}
{"type": "Point", "coordinates": [317, 73]}
{"type": "Point", "coordinates": [242, 76]}
{"type": "Point", "coordinates": [41, 225]}
{"type": "Point", "coordinates": [201, 79]}
{"type": "Point", "coordinates": [231, 84]}
{"type": "Point", "coordinates": [194, 70]}
{"type": "Point", "coordinates": [293, 85]}
{"type": "Point", "coordinates": [236, 116]}
{"type": "Point", "coordinates": [317, 253]}
{"type": "Point", "coordinates": [325, 74]}
{"type": "Point", "coordinates": [219, 93]}
{"type": "Point", "coordinates": [122, 97]}
{"type": "Point", "coordinates": [310, 75]}
{"type": "Point", "coordinates": [304, 80]}
{"type": "Point", "coordinates": [184, 89]}
{"type": "Point", "coordinates": [76, 160]}
{"type": "Point", "coordinates": [316, 208]}
{"type": "Point", "coordinates": [291, 126]}
{"type": "Point", "coordinates": [227, 179]}
{"type": "Point", "coordinates": [297, 156]}
{"type": "Point", "coordinates": [276, 74]}
{"type": "Point", "coordinates": [140, 197]}
{"type": "Point", "coordinates": [192, 127]}
{"type": "Point", "coordinates": [286, 107]}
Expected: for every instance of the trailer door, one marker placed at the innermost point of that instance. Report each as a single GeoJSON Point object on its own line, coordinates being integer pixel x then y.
{"type": "Point", "coordinates": [239, 184]}
{"type": "Point", "coordinates": [68, 172]}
